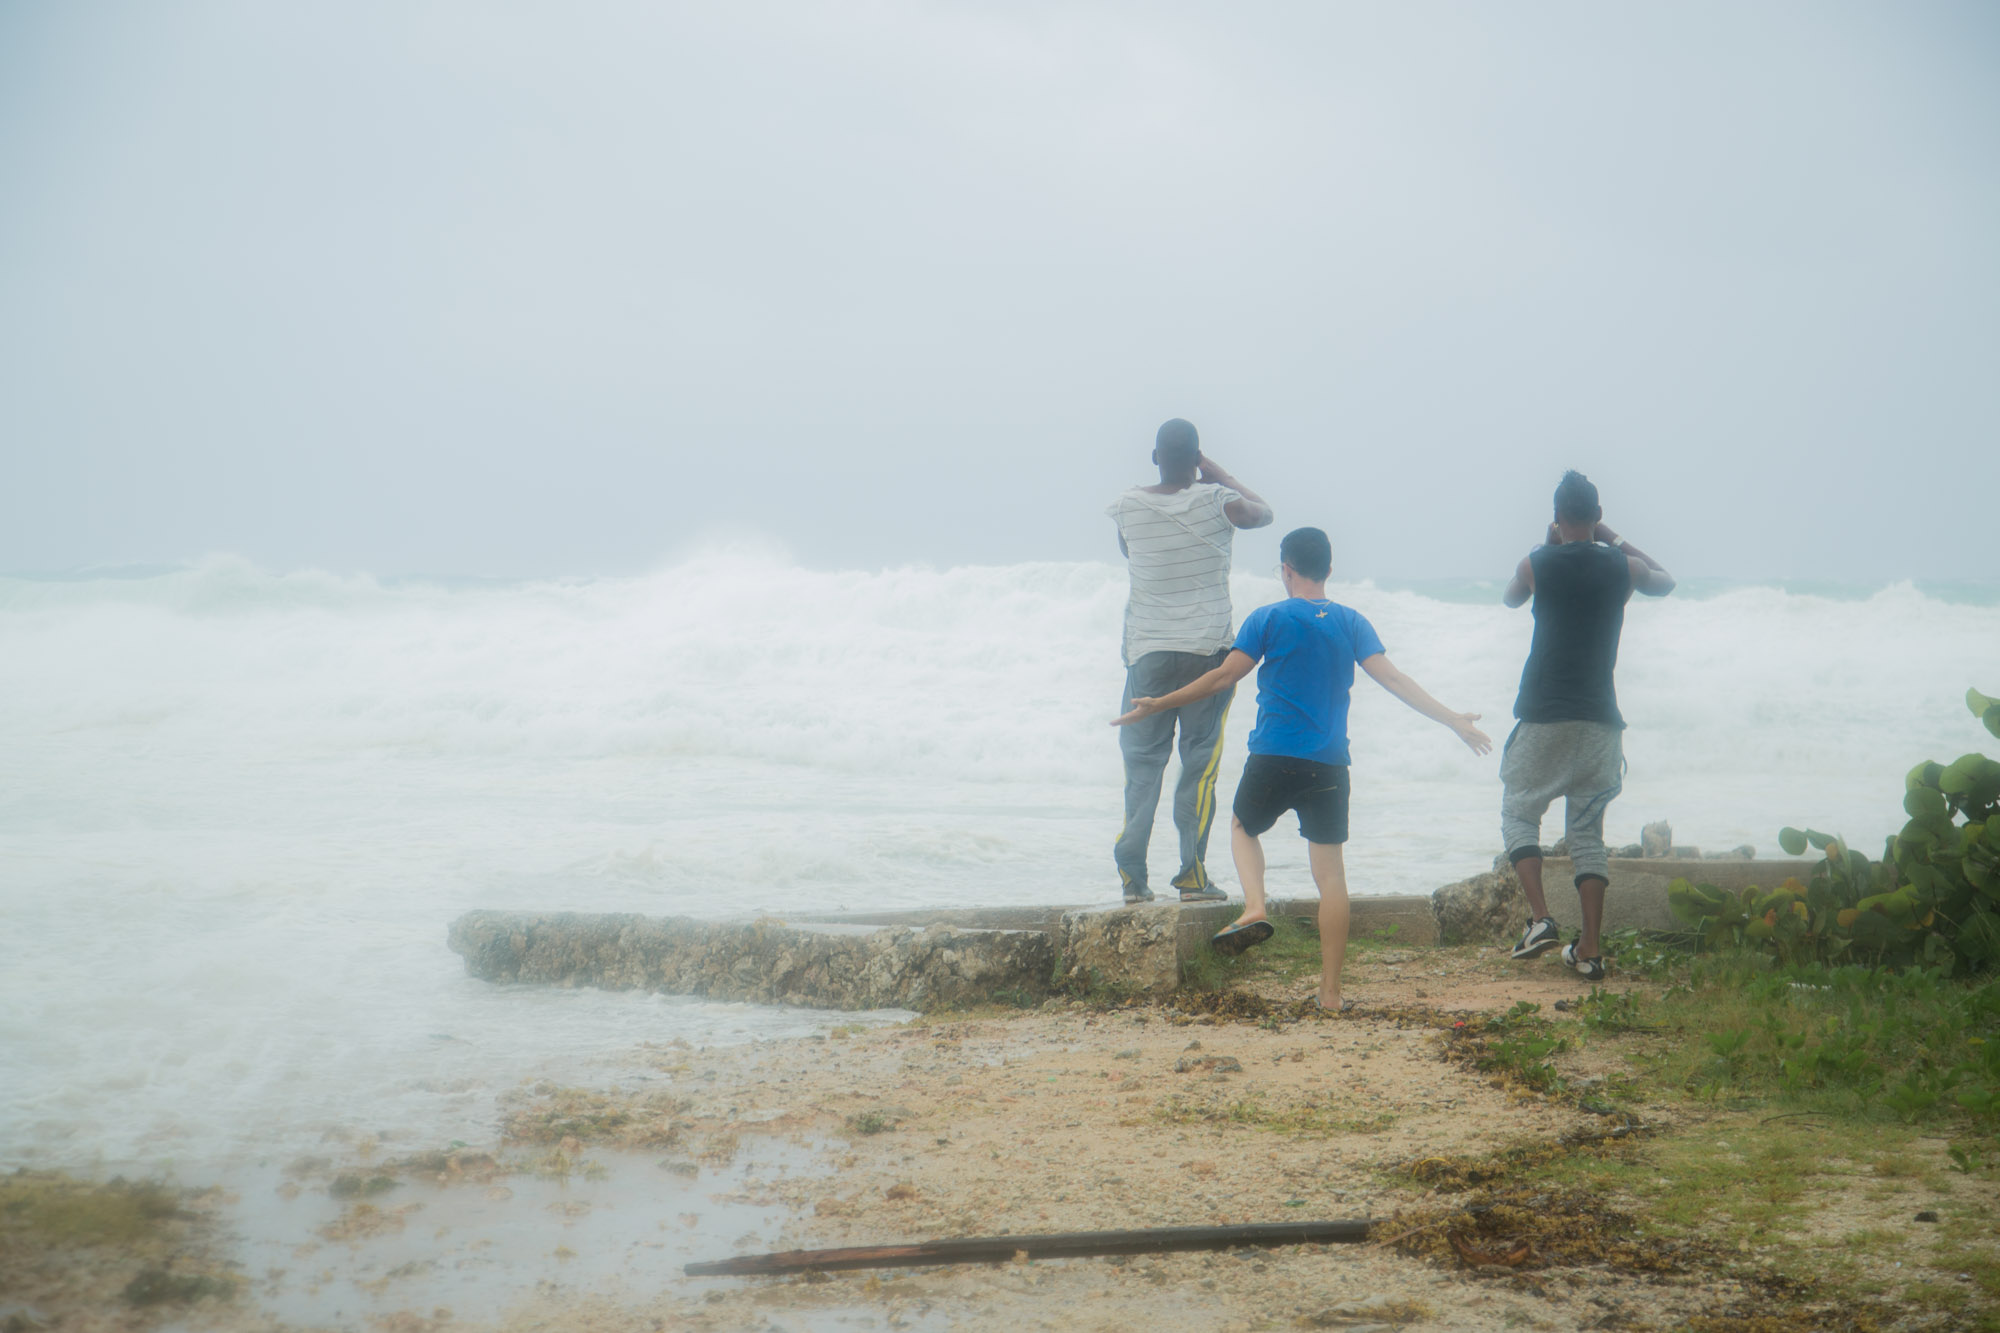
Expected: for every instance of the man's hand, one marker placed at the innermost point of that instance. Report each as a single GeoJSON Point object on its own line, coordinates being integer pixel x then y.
{"type": "Point", "coordinates": [1249, 512]}
{"type": "Point", "coordinates": [1141, 710]}
{"type": "Point", "coordinates": [1475, 739]}
{"type": "Point", "coordinates": [1553, 537]}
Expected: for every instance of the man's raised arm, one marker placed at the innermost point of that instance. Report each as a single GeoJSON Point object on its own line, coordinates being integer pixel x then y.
{"type": "Point", "coordinates": [1234, 668]}
{"type": "Point", "coordinates": [1248, 512]}
{"type": "Point", "coordinates": [1649, 576]}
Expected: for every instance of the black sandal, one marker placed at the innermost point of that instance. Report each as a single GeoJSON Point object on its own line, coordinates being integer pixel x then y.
{"type": "Point", "coordinates": [1239, 937]}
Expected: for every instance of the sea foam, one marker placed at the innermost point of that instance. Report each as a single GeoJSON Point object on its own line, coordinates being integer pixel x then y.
{"type": "Point", "coordinates": [240, 807]}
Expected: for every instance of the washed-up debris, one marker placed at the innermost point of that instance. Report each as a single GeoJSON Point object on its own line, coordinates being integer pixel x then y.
{"type": "Point", "coordinates": [1056, 1245]}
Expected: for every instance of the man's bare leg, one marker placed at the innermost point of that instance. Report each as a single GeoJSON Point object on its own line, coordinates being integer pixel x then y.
{"type": "Point", "coordinates": [1590, 889]}
{"type": "Point", "coordinates": [1529, 871]}
{"type": "Point", "coordinates": [1329, 869]}
{"type": "Point", "coordinates": [1249, 854]}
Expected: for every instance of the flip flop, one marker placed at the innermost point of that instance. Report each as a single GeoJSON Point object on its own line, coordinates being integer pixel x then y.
{"type": "Point", "coordinates": [1237, 938]}
{"type": "Point", "coordinates": [1346, 1006]}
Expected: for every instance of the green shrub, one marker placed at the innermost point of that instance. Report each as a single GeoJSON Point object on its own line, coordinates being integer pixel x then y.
{"type": "Point", "coordinates": [1933, 900]}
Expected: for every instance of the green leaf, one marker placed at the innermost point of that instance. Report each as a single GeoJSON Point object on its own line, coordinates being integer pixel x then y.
{"type": "Point", "coordinates": [1820, 841]}
{"type": "Point", "coordinates": [1973, 779]}
{"type": "Point", "coordinates": [1858, 867]}
{"type": "Point", "coordinates": [1926, 806]}
{"type": "Point", "coordinates": [1986, 709]}
{"type": "Point", "coordinates": [1924, 774]}
{"type": "Point", "coordinates": [1793, 841]}
{"type": "Point", "coordinates": [1686, 905]}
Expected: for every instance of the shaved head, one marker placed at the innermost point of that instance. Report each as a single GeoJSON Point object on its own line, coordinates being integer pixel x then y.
{"type": "Point", "coordinates": [1176, 447]}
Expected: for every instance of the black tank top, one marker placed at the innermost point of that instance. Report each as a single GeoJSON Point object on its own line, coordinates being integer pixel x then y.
{"type": "Point", "coordinates": [1580, 593]}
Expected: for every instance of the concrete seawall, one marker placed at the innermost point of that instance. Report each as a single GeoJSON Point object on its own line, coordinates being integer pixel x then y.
{"type": "Point", "coordinates": [1490, 908]}
{"type": "Point", "coordinates": [829, 966]}
{"type": "Point", "coordinates": [871, 960]}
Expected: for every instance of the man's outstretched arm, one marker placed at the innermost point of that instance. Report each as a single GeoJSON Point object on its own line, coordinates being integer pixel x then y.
{"type": "Point", "coordinates": [1248, 512]}
{"type": "Point", "coordinates": [1234, 668]}
{"type": "Point", "coordinates": [1389, 678]}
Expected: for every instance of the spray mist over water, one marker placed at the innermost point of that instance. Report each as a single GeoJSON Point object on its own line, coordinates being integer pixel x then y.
{"type": "Point", "coordinates": [240, 808]}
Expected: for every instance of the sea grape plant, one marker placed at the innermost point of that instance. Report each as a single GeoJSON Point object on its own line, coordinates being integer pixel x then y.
{"type": "Point", "coordinates": [1932, 900]}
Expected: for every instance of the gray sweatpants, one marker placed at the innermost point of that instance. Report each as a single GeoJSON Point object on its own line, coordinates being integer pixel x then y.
{"type": "Point", "coordinates": [1582, 762]}
{"type": "Point", "coordinates": [1149, 743]}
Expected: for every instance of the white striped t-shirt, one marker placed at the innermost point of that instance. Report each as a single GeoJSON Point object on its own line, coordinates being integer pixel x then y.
{"type": "Point", "coordinates": [1178, 546]}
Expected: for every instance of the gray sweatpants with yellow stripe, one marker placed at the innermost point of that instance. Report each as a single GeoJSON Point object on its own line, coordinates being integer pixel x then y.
{"type": "Point", "coordinates": [1149, 743]}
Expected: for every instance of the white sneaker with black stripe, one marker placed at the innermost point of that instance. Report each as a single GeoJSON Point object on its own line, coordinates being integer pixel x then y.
{"type": "Point", "coordinates": [1540, 937]}
{"type": "Point", "coordinates": [1591, 969]}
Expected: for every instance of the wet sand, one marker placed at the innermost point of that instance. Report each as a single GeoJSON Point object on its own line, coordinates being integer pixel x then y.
{"type": "Point", "coordinates": [1065, 1118]}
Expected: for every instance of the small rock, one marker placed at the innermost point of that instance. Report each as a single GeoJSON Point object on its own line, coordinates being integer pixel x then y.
{"type": "Point", "coordinates": [952, 1080]}
{"type": "Point", "coordinates": [1927, 1215]}
{"type": "Point", "coordinates": [1132, 1053]}
{"type": "Point", "coordinates": [1194, 1045]}
{"type": "Point", "coordinates": [1214, 1064]}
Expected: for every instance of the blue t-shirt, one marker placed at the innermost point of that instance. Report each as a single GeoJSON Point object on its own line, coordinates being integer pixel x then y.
{"type": "Point", "coordinates": [1308, 651]}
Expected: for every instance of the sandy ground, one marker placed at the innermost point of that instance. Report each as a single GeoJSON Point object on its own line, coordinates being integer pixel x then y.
{"type": "Point", "coordinates": [1066, 1118]}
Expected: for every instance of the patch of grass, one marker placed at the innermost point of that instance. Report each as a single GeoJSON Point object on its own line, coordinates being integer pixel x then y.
{"type": "Point", "coordinates": [548, 1114]}
{"type": "Point", "coordinates": [1291, 953]}
{"type": "Point", "coordinates": [870, 1122]}
{"type": "Point", "coordinates": [1850, 1042]}
{"type": "Point", "coordinates": [55, 1209]}
{"type": "Point", "coordinates": [349, 1185]}
{"type": "Point", "coordinates": [1310, 1119]}
{"type": "Point", "coordinates": [1651, 954]}
{"type": "Point", "coordinates": [156, 1286]}
{"type": "Point", "coordinates": [1735, 1180]}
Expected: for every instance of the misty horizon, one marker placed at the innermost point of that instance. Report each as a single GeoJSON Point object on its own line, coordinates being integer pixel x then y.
{"type": "Point", "coordinates": [572, 293]}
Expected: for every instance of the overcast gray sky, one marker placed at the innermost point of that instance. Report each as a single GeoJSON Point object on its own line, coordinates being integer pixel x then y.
{"type": "Point", "coordinates": [564, 288]}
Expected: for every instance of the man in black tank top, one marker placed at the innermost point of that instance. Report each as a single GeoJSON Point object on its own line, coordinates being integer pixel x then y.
{"type": "Point", "coordinates": [1568, 741]}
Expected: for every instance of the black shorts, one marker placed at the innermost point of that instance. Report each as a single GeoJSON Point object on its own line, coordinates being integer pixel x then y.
{"type": "Point", "coordinates": [1275, 783]}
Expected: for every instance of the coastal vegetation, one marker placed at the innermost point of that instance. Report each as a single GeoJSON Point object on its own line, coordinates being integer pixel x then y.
{"type": "Point", "coordinates": [1933, 900]}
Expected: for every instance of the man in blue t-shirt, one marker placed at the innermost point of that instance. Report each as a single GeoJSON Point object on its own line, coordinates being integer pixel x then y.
{"type": "Point", "coordinates": [1309, 647]}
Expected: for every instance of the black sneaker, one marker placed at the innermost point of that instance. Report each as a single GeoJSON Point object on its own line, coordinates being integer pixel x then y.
{"type": "Point", "coordinates": [1540, 937]}
{"type": "Point", "coordinates": [1137, 894]}
{"type": "Point", "coordinates": [1211, 894]}
{"type": "Point", "coordinates": [1591, 969]}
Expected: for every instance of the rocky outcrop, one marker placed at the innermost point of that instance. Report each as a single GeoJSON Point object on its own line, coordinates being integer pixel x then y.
{"type": "Point", "coordinates": [767, 962]}
{"type": "Point", "coordinates": [1486, 909]}
{"type": "Point", "coordinates": [1136, 949]}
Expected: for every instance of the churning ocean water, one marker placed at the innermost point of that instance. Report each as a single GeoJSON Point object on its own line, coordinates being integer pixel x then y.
{"type": "Point", "coordinates": [238, 809]}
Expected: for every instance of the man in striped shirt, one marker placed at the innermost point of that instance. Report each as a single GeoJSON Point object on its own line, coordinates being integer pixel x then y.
{"type": "Point", "coordinates": [1176, 536]}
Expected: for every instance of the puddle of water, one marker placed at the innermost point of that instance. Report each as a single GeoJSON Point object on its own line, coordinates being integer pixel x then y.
{"type": "Point", "coordinates": [478, 1248]}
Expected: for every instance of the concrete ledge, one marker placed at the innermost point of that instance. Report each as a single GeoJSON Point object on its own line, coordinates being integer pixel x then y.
{"type": "Point", "coordinates": [870, 960]}
{"type": "Point", "coordinates": [1490, 908]}
{"type": "Point", "coordinates": [761, 961]}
